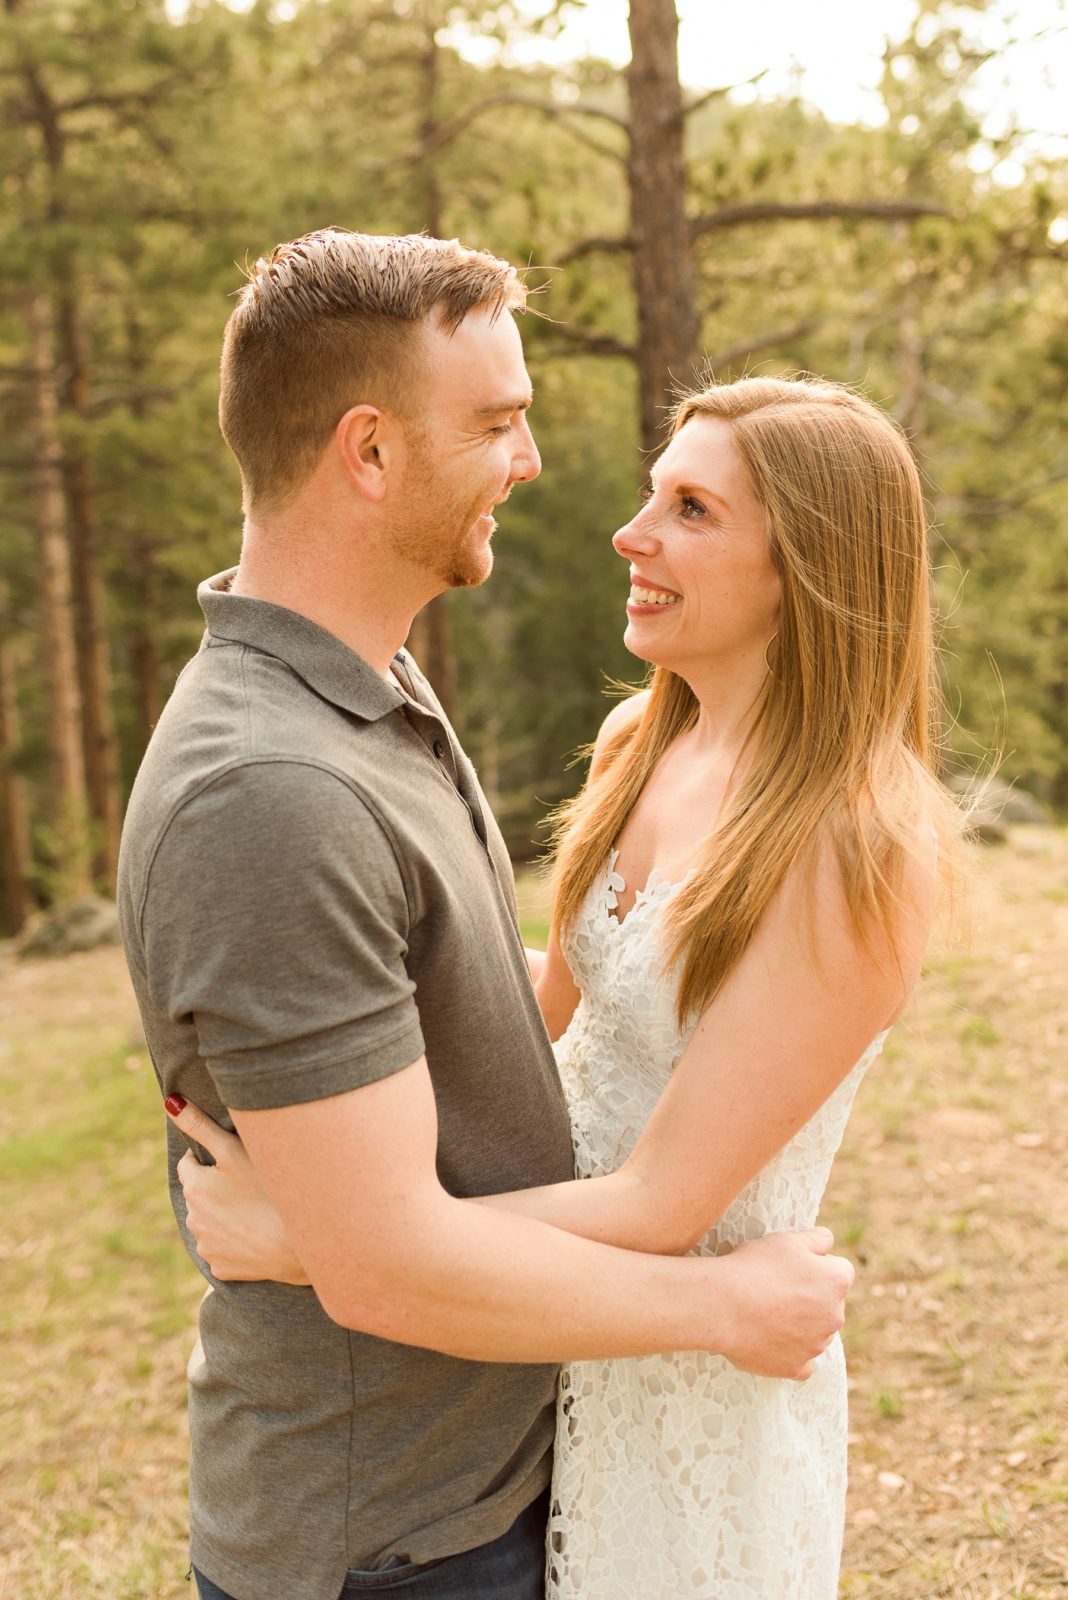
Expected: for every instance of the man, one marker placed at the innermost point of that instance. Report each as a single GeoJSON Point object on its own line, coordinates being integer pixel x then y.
{"type": "Point", "coordinates": [318, 913]}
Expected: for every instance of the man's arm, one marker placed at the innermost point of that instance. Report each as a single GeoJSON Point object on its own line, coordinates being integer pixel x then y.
{"type": "Point", "coordinates": [389, 1252]}
{"type": "Point", "coordinates": [284, 944]}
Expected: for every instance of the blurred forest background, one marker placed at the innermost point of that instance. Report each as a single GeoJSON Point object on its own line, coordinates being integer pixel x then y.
{"type": "Point", "coordinates": [145, 153]}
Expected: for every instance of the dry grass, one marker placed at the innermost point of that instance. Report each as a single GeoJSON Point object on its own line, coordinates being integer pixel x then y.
{"type": "Point", "coordinates": [951, 1193]}
{"type": "Point", "coordinates": [96, 1299]}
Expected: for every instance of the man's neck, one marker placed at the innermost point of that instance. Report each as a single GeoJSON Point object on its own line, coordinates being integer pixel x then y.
{"type": "Point", "coordinates": [366, 610]}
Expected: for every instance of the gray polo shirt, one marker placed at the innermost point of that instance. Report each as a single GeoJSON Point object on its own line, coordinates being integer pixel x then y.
{"type": "Point", "coordinates": [313, 894]}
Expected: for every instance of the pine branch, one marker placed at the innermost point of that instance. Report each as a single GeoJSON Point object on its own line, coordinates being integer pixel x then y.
{"type": "Point", "coordinates": [446, 132]}
{"type": "Point", "coordinates": [979, 506]}
{"type": "Point", "coordinates": [708, 95]}
{"type": "Point", "coordinates": [106, 401]}
{"type": "Point", "coordinates": [764, 341]}
{"type": "Point", "coordinates": [587, 341]}
{"type": "Point", "coordinates": [1052, 31]}
{"type": "Point", "coordinates": [582, 137]}
{"type": "Point", "coordinates": [603, 246]}
{"type": "Point", "coordinates": [538, 24]}
{"type": "Point", "coordinates": [116, 100]}
{"type": "Point", "coordinates": [768, 211]}
{"type": "Point", "coordinates": [777, 210]}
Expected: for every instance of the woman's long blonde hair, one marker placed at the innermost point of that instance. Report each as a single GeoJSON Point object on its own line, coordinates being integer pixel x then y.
{"type": "Point", "coordinates": [848, 736]}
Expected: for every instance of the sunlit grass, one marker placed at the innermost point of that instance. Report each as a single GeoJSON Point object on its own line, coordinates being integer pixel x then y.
{"type": "Point", "coordinates": [532, 895]}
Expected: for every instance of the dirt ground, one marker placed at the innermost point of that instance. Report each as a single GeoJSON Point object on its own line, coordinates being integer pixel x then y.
{"type": "Point", "coordinates": [950, 1193]}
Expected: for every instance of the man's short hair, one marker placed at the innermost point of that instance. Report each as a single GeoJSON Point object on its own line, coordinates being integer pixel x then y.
{"type": "Point", "coordinates": [330, 321]}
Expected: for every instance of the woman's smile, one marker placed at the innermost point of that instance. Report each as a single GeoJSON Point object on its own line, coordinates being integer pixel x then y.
{"type": "Point", "coordinates": [647, 598]}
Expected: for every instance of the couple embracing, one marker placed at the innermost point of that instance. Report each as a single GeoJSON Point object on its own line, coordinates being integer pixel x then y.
{"type": "Point", "coordinates": [514, 1284]}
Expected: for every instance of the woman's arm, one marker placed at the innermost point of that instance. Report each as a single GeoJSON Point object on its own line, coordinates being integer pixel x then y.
{"type": "Point", "coordinates": [803, 1004]}
{"type": "Point", "coordinates": [535, 963]}
{"type": "Point", "coordinates": [557, 992]}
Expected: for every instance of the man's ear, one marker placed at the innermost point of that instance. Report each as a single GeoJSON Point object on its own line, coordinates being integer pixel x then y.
{"type": "Point", "coordinates": [363, 440]}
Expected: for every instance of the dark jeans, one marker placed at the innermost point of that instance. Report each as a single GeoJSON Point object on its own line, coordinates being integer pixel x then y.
{"type": "Point", "coordinates": [511, 1568]}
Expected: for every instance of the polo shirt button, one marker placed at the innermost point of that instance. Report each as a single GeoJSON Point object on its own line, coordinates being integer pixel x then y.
{"type": "Point", "coordinates": [439, 749]}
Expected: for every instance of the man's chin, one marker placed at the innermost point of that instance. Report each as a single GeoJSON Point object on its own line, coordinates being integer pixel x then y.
{"type": "Point", "coordinates": [472, 561]}
{"type": "Point", "coordinates": [473, 571]}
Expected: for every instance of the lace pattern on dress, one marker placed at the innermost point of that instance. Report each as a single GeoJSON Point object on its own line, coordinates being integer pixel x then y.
{"type": "Point", "coordinates": [678, 1477]}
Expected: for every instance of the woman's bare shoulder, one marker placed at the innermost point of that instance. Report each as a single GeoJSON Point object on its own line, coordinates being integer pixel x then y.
{"type": "Point", "coordinates": [621, 717]}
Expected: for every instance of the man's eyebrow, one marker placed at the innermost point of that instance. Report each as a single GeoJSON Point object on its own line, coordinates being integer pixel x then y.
{"type": "Point", "coordinates": [504, 408]}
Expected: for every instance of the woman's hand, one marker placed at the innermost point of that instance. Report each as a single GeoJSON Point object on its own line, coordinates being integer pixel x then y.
{"type": "Point", "coordinates": [238, 1232]}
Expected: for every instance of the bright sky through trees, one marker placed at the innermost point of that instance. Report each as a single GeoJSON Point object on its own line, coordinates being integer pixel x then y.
{"type": "Point", "coordinates": [831, 50]}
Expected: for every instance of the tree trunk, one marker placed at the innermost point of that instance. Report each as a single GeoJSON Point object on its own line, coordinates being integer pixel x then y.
{"type": "Point", "coordinates": [99, 740]}
{"type": "Point", "coordinates": [70, 800]}
{"type": "Point", "coordinates": [663, 265]}
{"type": "Point", "coordinates": [431, 640]}
{"type": "Point", "coordinates": [144, 560]}
{"type": "Point", "coordinates": [912, 402]}
{"type": "Point", "coordinates": [1058, 692]}
{"type": "Point", "coordinates": [144, 651]}
{"type": "Point", "coordinates": [429, 193]}
{"type": "Point", "coordinates": [14, 805]}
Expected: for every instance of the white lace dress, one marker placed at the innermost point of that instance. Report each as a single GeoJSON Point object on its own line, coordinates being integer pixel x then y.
{"type": "Point", "coordinates": [678, 1477]}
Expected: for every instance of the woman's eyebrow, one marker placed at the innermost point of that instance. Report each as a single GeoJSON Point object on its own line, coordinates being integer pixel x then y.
{"type": "Point", "coordinates": [694, 489]}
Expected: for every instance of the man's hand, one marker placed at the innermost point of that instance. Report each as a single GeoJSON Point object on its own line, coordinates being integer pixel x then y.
{"type": "Point", "coordinates": [787, 1298]}
{"type": "Point", "coordinates": [237, 1230]}
{"type": "Point", "coordinates": [389, 1252]}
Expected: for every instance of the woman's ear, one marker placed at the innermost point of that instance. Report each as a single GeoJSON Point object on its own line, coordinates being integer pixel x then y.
{"type": "Point", "coordinates": [362, 444]}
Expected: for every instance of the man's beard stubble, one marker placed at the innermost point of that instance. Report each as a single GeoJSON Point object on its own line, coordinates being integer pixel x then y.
{"type": "Point", "coordinates": [437, 535]}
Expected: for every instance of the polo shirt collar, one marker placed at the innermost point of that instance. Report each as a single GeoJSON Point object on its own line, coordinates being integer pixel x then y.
{"type": "Point", "coordinates": [327, 665]}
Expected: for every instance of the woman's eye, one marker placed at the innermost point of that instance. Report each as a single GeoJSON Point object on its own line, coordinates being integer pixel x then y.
{"type": "Point", "coordinates": [692, 507]}
{"type": "Point", "coordinates": [645, 493]}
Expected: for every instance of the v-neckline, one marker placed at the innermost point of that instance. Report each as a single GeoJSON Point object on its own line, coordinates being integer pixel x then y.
{"type": "Point", "coordinates": [642, 896]}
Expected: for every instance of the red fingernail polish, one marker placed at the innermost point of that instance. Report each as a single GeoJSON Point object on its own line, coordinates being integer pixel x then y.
{"type": "Point", "coordinates": [175, 1105]}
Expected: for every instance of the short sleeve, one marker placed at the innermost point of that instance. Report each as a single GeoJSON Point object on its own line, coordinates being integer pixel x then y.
{"type": "Point", "coordinates": [276, 921]}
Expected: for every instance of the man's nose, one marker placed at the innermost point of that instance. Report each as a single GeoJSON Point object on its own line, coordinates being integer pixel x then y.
{"type": "Point", "coordinates": [526, 463]}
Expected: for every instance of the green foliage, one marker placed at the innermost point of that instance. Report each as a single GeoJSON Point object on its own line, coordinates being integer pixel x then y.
{"type": "Point", "coordinates": [190, 146]}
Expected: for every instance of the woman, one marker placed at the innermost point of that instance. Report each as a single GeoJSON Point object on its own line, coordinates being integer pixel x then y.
{"type": "Point", "coordinates": [742, 896]}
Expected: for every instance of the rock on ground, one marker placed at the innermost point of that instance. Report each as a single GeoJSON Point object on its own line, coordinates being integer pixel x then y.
{"type": "Point", "coordinates": [999, 802]}
{"type": "Point", "coordinates": [82, 924]}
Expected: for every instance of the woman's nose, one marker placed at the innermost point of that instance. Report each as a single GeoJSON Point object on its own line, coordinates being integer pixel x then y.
{"type": "Point", "coordinates": [637, 535]}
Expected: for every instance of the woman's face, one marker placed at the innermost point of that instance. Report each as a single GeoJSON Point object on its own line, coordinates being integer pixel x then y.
{"type": "Point", "coordinates": [704, 589]}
